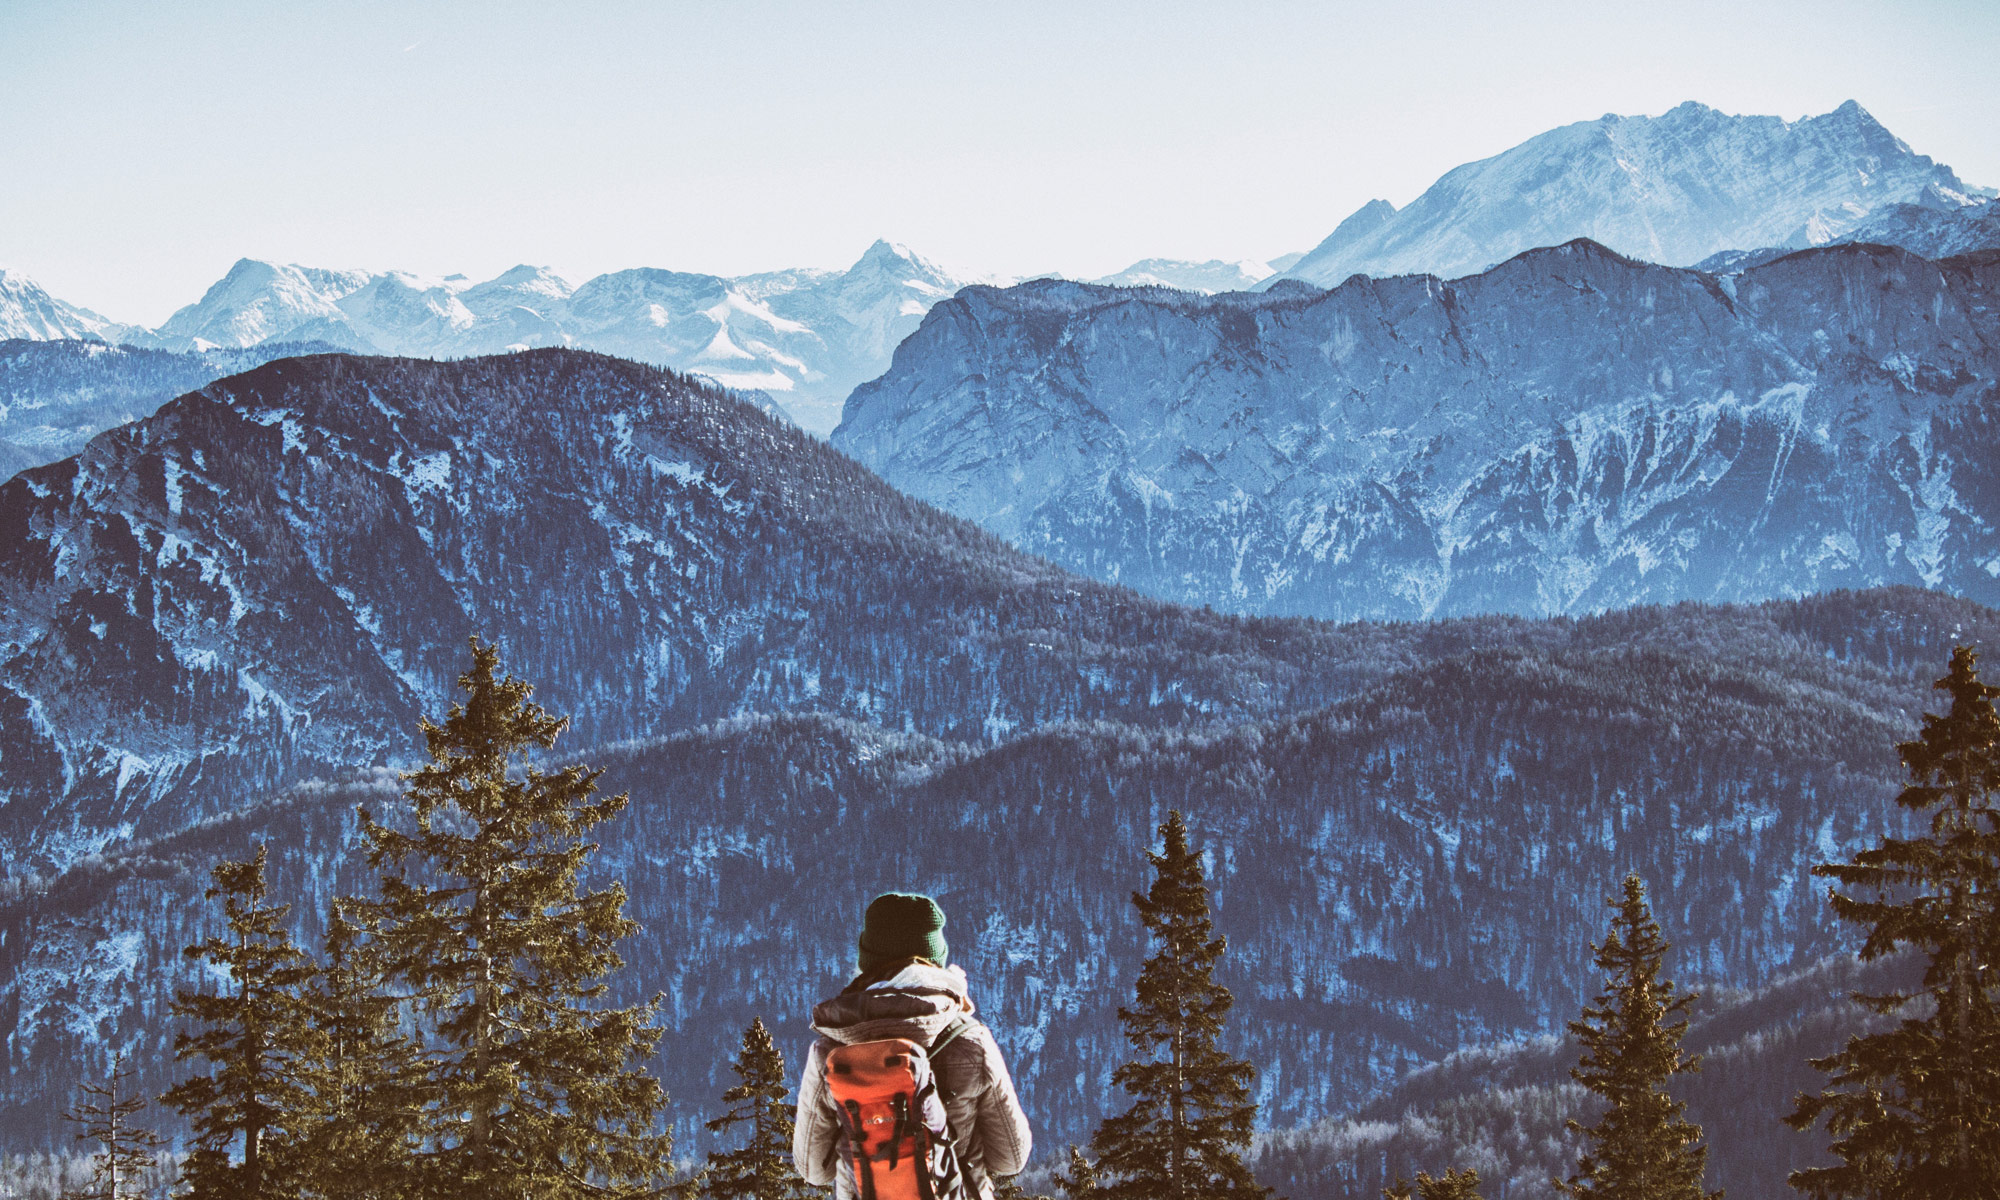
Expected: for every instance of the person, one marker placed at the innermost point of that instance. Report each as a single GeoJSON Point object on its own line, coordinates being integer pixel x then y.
{"type": "Point", "coordinates": [907, 988]}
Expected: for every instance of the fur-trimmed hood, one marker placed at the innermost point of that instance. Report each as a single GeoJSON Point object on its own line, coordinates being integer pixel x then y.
{"type": "Point", "coordinates": [918, 1002]}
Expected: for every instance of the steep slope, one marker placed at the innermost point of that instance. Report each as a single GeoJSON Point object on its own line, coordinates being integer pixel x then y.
{"type": "Point", "coordinates": [1413, 869]}
{"type": "Point", "coordinates": [1671, 189]}
{"type": "Point", "coordinates": [1570, 431]}
{"type": "Point", "coordinates": [27, 311]}
{"type": "Point", "coordinates": [804, 337]}
{"type": "Point", "coordinates": [271, 577]}
{"type": "Point", "coordinates": [57, 395]}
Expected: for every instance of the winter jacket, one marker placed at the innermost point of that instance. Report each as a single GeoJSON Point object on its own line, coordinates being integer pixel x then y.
{"type": "Point", "coordinates": [918, 1002]}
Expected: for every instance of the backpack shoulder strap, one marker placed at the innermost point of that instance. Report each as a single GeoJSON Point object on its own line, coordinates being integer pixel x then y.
{"type": "Point", "coordinates": [948, 1035]}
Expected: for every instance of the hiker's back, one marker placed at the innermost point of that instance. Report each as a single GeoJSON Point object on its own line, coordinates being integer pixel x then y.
{"type": "Point", "coordinates": [908, 1033]}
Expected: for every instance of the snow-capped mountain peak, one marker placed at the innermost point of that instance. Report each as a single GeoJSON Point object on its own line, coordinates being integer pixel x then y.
{"type": "Point", "coordinates": [28, 311]}
{"type": "Point", "coordinates": [258, 301]}
{"type": "Point", "coordinates": [1671, 189]}
{"type": "Point", "coordinates": [806, 336]}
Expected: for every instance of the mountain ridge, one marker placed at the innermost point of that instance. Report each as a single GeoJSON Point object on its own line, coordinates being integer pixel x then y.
{"type": "Point", "coordinates": [1555, 434]}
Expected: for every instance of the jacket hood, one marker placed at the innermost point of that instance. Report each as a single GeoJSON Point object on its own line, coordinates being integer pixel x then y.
{"type": "Point", "coordinates": [919, 1002]}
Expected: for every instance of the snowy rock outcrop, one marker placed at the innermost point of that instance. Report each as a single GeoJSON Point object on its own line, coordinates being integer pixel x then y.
{"type": "Point", "coordinates": [1671, 189]}
{"type": "Point", "coordinates": [1570, 431]}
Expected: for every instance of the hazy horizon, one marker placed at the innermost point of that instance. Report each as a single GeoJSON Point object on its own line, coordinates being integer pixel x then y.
{"type": "Point", "coordinates": [149, 149]}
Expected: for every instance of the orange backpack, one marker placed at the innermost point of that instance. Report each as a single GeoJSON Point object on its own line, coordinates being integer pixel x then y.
{"type": "Point", "coordinates": [895, 1135]}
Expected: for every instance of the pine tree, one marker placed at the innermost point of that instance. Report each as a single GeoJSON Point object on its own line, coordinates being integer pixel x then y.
{"type": "Point", "coordinates": [1080, 1180]}
{"type": "Point", "coordinates": [1452, 1185]}
{"type": "Point", "coordinates": [367, 1079]}
{"type": "Point", "coordinates": [126, 1151]}
{"type": "Point", "coordinates": [1914, 1111]}
{"type": "Point", "coordinates": [536, 1087]}
{"type": "Point", "coordinates": [1641, 1148]}
{"type": "Point", "coordinates": [761, 1168]}
{"type": "Point", "coordinates": [1191, 1115]}
{"type": "Point", "coordinates": [247, 1108]}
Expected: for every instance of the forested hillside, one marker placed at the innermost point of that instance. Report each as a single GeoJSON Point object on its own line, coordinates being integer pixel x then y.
{"type": "Point", "coordinates": [1413, 868]}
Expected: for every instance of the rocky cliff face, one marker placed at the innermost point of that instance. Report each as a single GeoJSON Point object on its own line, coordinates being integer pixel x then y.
{"type": "Point", "coordinates": [1570, 431]}
{"type": "Point", "coordinates": [1669, 189]}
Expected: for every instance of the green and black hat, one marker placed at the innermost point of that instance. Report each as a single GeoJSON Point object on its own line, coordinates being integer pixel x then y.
{"type": "Point", "coordinates": [901, 925]}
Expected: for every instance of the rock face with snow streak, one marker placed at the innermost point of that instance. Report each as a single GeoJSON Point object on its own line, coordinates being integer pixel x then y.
{"type": "Point", "coordinates": [804, 337]}
{"type": "Point", "coordinates": [1670, 189]}
{"type": "Point", "coordinates": [1570, 431]}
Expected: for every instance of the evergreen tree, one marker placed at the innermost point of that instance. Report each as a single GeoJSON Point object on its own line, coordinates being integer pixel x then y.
{"type": "Point", "coordinates": [125, 1151]}
{"type": "Point", "coordinates": [1641, 1148]}
{"type": "Point", "coordinates": [247, 1108]}
{"type": "Point", "coordinates": [1008, 1187]}
{"type": "Point", "coordinates": [1914, 1111]}
{"type": "Point", "coordinates": [367, 1079]}
{"type": "Point", "coordinates": [761, 1168]}
{"type": "Point", "coordinates": [1191, 1115]}
{"type": "Point", "coordinates": [1080, 1180]}
{"type": "Point", "coordinates": [1452, 1185]}
{"type": "Point", "coordinates": [536, 1088]}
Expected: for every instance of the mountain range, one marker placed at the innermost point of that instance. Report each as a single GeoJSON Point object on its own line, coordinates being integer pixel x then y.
{"type": "Point", "coordinates": [1931, 226]}
{"type": "Point", "coordinates": [804, 338]}
{"type": "Point", "coordinates": [221, 623]}
{"type": "Point", "coordinates": [1691, 184]}
{"type": "Point", "coordinates": [1571, 431]}
{"type": "Point", "coordinates": [1672, 189]}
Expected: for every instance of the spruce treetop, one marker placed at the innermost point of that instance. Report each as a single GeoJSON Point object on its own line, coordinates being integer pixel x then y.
{"type": "Point", "coordinates": [1192, 1115]}
{"type": "Point", "coordinates": [1642, 1148]}
{"type": "Point", "coordinates": [534, 1086]}
{"type": "Point", "coordinates": [1914, 1109]}
{"type": "Point", "coordinates": [760, 1168]}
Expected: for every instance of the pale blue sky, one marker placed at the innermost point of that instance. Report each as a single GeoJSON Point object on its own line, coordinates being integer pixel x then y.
{"type": "Point", "coordinates": [145, 146]}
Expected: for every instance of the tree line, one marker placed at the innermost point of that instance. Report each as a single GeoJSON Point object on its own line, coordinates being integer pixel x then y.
{"type": "Point", "coordinates": [452, 1034]}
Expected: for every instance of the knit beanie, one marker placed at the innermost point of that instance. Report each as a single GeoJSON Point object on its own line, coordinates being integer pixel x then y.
{"type": "Point", "coordinates": [899, 925]}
